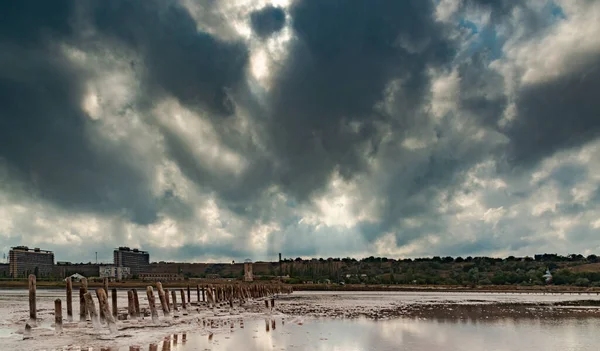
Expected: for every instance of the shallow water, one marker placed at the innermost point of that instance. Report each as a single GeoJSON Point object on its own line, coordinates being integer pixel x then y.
{"type": "Point", "coordinates": [399, 334]}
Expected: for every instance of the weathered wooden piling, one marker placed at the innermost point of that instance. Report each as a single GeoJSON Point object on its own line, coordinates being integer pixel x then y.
{"type": "Point", "coordinates": [69, 300]}
{"type": "Point", "coordinates": [163, 301]}
{"type": "Point", "coordinates": [83, 313]}
{"type": "Point", "coordinates": [32, 299]}
{"type": "Point", "coordinates": [136, 303]}
{"type": "Point", "coordinates": [189, 297]}
{"type": "Point", "coordinates": [168, 299]}
{"type": "Point", "coordinates": [198, 293]}
{"type": "Point", "coordinates": [272, 303]}
{"type": "Point", "coordinates": [105, 284]}
{"type": "Point", "coordinates": [91, 309]}
{"type": "Point", "coordinates": [203, 296]}
{"type": "Point", "coordinates": [130, 304]}
{"type": "Point", "coordinates": [115, 308]}
{"type": "Point", "coordinates": [58, 320]}
{"type": "Point", "coordinates": [27, 332]}
{"type": "Point", "coordinates": [174, 296]}
{"type": "Point", "coordinates": [100, 310]}
{"type": "Point", "coordinates": [183, 302]}
{"type": "Point", "coordinates": [267, 304]}
{"type": "Point", "coordinates": [103, 302]}
{"type": "Point", "coordinates": [152, 303]}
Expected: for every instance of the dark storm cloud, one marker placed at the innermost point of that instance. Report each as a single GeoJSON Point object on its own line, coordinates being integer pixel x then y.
{"type": "Point", "coordinates": [344, 56]}
{"type": "Point", "coordinates": [46, 139]}
{"type": "Point", "coordinates": [191, 65]}
{"type": "Point", "coordinates": [556, 114]}
{"type": "Point", "coordinates": [268, 20]}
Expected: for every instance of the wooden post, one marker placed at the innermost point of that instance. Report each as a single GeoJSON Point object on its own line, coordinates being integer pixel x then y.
{"type": "Point", "coordinates": [27, 332]}
{"type": "Point", "coordinates": [198, 293]}
{"type": "Point", "coordinates": [136, 303]}
{"type": "Point", "coordinates": [174, 296]}
{"type": "Point", "coordinates": [105, 285]}
{"type": "Point", "coordinates": [69, 300]}
{"type": "Point", "coordinates": [189, 297]}
{"type": "Point", "coordinates": [91, 309]}
{"type": "Point", "coordinates": [183, 303]}
{"type": "Point", "coordinates": [115, 308]}
{"type": "Point", "coordinates": [152, 303]}
{"type": "Point", "coordinates": [168, 299]}
{"type": "Point", "coordinates": [163, 300]}
{"type": "Point", "coordinates": [83, 313]}
{"type": "Point", "coordinates": [32, 299]}
{"type": "Point", "coordinates": [103, 301]}
{"type": "Point", "coordinates": [267, 304]}
{"type": "Point", "coordinates": [58, 322]}
{"type": "Point", "coordinates": [203, 296]}
{"type": "Point", "coordinates": [100, 310]}
{"type": "Point", "coordinates": [130, 304]}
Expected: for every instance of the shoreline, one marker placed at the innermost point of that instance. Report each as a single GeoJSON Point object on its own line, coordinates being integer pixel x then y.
{"type": "Point", "coordinates": [509, 289]}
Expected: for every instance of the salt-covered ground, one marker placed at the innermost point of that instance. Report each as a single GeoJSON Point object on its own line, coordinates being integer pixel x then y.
{"type": "Point", "coordinates": [76, 335]}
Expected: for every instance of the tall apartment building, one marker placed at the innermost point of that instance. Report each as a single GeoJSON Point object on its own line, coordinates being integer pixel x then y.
{"type": "Point", "coordinates": [25, 261]}
{"type": "Point", "coordinates": [137, 260]}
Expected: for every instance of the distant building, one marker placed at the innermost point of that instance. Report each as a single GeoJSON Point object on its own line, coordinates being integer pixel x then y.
{"type": "Point", "coordinates": [137, 260]}
{"type": "Point", "coordinates": [114, 272]}
{"type": "Point", "coordinates": [25, 261]}
{"type": "Point", "coordinates": [248, 276]}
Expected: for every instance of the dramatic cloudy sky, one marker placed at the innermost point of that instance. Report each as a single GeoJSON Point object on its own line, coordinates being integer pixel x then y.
{"type": "Point", "coordinates": [207, 130]}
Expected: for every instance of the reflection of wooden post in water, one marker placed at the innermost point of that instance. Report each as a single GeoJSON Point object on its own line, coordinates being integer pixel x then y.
{"type": "Point", "coordinates": [183, 338]}
{"type": "Point", "coordinates": [32, 300]}
{"type": "Point", "coordinates": [163, 300]}
{"type": "Point", "coordinates": [183, 304]}
{"type": "Point", "coordinates": [91, 309]}
{"type": "Point", "coordinates": [58, 316]}
{"type": "Point", "coordinates": [103, 301]}
{"type": "Point", "coordinates": [82, 306]}
{"type": "Point", "coordinates": [174, 296]}
{"type": "Point", "coordinates": [130, 304]}
{"type": "Point", "coordinates": [136, 303]}
{"type": "Point", "coordinates": [69, 300]}
{"type": "Point", "coordinates": [273, 324]}
{"type": "Point", "coordinates": [166, 344]}
{"type": "Point", "coordinates": [175, 339]}
{"type": "Point", "coordinates": [153, 347]}
{"type": "Point", "coordinates": [152, 304]}
{"type": "Point", "coordinates": [115, 309]}
{"type": "Point", "coordinates": [267, 325]}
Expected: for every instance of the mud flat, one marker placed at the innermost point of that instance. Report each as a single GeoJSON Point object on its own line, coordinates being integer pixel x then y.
{"type": "Point", "coordinates": [388, 305]}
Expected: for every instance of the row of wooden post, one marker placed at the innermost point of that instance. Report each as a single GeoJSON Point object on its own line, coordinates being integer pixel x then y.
{"type": "Point", "coordinates": [211, 295]}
